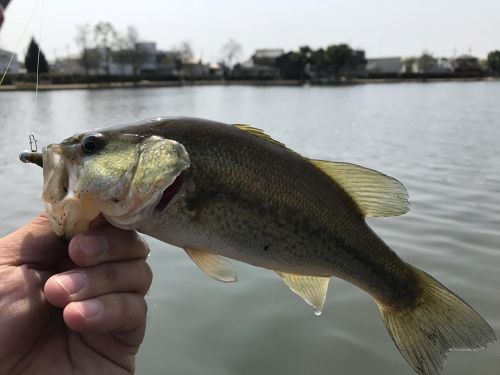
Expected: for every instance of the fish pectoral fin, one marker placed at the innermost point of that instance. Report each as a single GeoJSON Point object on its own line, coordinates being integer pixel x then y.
{"type": "Point", "coordinates": [213, 265]}
{"type": "Point", "coordinates": [311, 288]}
{"type": "Point", "coordinates": [375, 193]}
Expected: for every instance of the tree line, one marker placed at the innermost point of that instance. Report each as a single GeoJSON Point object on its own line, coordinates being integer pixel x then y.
{"type": "Point", "coordinates": [102, 44]}
{"type": "Point", "coordinates": [335, 61]}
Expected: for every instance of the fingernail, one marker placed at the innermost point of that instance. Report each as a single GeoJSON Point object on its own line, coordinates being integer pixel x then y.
{"type": "Point", "coordinates": [89, 309]}
{"type": "Point", "coordinates": [72, 282]}
{"type": "Point", "coordinates": [93, 245]}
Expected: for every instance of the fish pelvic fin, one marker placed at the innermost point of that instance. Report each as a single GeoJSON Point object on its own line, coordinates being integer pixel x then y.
{"type": "Point", "coordinates": [440, 321]}
{"type": "Point", "coordinates": [375, 193]}
{"type": "Point", "coordinates": [213, 265]}
{"type": "Point", "coordinates": [311, 289]}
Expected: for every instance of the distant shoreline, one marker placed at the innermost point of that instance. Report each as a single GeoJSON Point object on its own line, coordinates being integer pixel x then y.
{"type": "Point", "coordinates": [23, 86]}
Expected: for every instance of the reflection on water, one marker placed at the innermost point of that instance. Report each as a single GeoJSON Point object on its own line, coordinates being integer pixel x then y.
{"type": "Point", "coordinates": [439, 139]}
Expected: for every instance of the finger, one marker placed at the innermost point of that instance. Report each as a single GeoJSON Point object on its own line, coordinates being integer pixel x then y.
{"type": "Point", "coordinates": [111, 313]}
{"type": "Point", "coordinates": [132, 276]}
{"type": "Point", "coordinates": [34, 244]}
{"type": "Point", "coordinates": [107, 244]}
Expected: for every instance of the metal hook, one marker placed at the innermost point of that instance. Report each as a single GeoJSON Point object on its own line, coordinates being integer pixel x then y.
{"type": "Point", "coordinates": [33, 143]}
{"type": "Point", "coordinates": [34, 156]}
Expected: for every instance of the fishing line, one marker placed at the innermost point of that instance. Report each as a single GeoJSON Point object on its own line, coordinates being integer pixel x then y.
{"type": "Point", "coordinates": [19, 41]}
{"type": "Point", "coordinates": [38, 57]}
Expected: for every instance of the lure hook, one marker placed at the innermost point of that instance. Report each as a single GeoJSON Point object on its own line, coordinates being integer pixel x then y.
{"type": "Point", "coordinates": [33, 143]}
{"type": "Point", "coordinates": [32, 156]}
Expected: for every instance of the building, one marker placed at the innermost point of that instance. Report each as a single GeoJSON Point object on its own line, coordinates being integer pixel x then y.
{"type": "Point", "coordinates": [467, 64]}
{"type": "Point", "coordinates": [384, 65]}
{"type": "Point", "coordinates": [195, 70]}
{"type": "Point", "coordinates": [168, 63]}
{"type": "Point", "coordinates": [262, 64]}
{"type": "Point", "coordinates": [147, 57]}
{"type": "Point", "coordinates": [99, 61]}
{"type": "Point", "coordinates": [361, 61]}
{"type": "Point", "coordinates": [267, 57]}
{"type": "Point", "coordinates": [427, 64]}
{"type": "Point", "coordinates": [5, 57]}
{"type": "Point", "coordinates": [445, 65]}
{"type": "Point", "coordinates": [69, 65]}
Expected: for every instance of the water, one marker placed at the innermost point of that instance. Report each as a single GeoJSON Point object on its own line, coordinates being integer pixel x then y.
{"type": "Point", "coordinates": [439, 139]}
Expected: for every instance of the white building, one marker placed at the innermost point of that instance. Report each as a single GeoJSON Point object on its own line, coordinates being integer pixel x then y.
{"type": "Point", "coordinates": [385, 65]}
{"type": "Point", "coordinates": [5, 57]}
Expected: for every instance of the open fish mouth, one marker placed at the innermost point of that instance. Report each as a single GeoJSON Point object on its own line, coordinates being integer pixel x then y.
{"type": "Point", "coordinates": [67, 213]}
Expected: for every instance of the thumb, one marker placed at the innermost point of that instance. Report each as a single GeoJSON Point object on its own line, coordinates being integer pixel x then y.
{"type": "Point", "coordinates": [34, 244]}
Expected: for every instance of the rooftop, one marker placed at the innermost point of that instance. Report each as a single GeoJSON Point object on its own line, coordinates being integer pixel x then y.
{"type": "Point", "coordinates": [269, 53]}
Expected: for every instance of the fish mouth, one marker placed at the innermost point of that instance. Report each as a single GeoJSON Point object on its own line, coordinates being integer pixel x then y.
{"type": "Point", "coordinates": [55, 175]}
{"type": "Point", "coordinates": [63, 207]}
{"type": "Point", "coordinates": [170, 192]}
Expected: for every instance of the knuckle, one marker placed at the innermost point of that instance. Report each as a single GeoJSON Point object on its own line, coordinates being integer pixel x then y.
{"type": "Point", "coordinates": [148, 278]}
{"type": "Point", "coordinates": [122, 305]}
{"type": "Point", "coordinates": [141, 244]}
{"type": "Point", "coordinates": [109, 272]}
{"type": "Point", "coordinates": [144, 307]}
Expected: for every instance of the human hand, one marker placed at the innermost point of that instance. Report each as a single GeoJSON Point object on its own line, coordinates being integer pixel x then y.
{"type": "Point", "coordinates": [76, 308]}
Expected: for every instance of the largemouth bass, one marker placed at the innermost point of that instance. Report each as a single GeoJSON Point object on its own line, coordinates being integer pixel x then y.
{"type": "Point", "coordinates": [230, 191]}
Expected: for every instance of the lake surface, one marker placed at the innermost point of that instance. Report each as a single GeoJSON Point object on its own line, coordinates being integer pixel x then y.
{"type": "Point", "coordinates": [440, 139]}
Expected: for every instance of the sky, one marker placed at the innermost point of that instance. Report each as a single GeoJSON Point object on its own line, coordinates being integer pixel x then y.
{"type": "Point", "coordinates": [382, 27]}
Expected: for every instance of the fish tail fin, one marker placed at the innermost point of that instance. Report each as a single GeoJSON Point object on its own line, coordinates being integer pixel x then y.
{"type": "Point", "coordinates": [438, 322]}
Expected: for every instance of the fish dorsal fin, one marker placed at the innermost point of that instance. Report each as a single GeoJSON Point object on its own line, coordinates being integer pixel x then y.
{"type": "Point", "coordinates": [311, 288]}
{"type": "Point", "coordinates": [259, 133]}
{"type": "Point", "coordinates": [213, 265]}
{"type": "Point", "coordinates": [375, 193]}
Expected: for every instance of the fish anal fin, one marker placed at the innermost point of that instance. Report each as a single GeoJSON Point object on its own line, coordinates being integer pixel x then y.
{"type": "Point", "coordinates": [375, 193]}
{"type": "Point", "coordinates": [312, 289]}
{"type": "Point", "coordinates": [259, 133]}
{"type": "Point", "coordinates": [213, 265]}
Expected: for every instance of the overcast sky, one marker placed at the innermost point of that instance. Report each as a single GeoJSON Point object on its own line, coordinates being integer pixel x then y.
{"type": "Point", "coordinates": [381, 28]}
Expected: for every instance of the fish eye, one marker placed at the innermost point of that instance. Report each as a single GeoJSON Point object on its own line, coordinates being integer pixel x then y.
{"type": "Point", "coordinates": [92, 143]}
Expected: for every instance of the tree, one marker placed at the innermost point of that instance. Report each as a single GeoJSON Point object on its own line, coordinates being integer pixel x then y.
{"type": "Point", "coordinates": [185, 51]}
{"type": "Point", "coordinates": [409, 64]}
{"type": "Point", "coordinates": [82, 39]}
{"type": "Point", "coordinates": [35, 58]}
{"type": "Point", "coordinates": [426, 62]}
{"type": "Point", "coordinates": [131, 39]}
{"type": "Point", "coordinates": [230, 52]}
{"type": "Point", "coordinates": [293, 65]}
{"type": "Point", "coordinates": [320, 62]}
{"type": "Point", "coordinates": [121, 54]}
{"type": "Point", "coordinates": [494, 62]}
{"type": "Point", "coordinates": [185, 55]}
{"type": "Point", "coordinates": [342, 59]}
{"type": "Point", "coordinates": [105, 37]}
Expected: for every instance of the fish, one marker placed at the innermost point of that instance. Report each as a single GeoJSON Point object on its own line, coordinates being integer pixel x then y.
{"type": "Point", "coordinates": [223, 192]}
